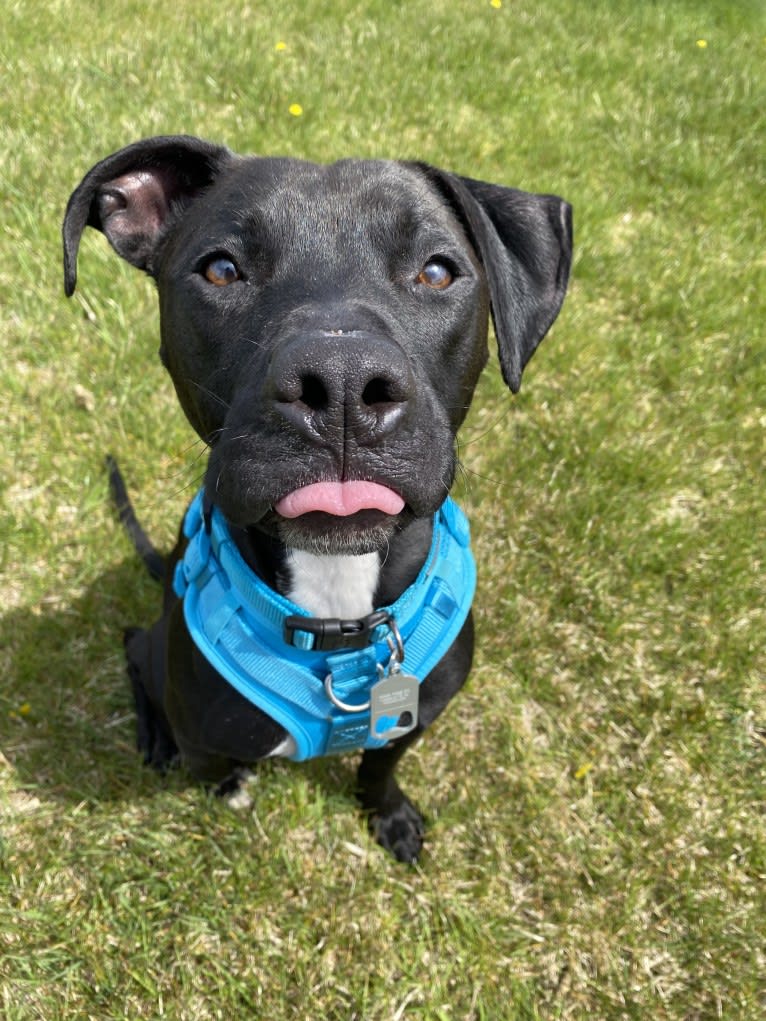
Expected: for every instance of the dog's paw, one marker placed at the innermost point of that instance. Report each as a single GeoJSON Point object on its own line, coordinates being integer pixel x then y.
{"type": "Point", "coordinates": [160, 753]}
{"type": "Point", "coordinates": [235, 792]}
{"type": "Point", "coordinates": [152, 740]}
{"type": "Point", "coordinates": [400, 832]}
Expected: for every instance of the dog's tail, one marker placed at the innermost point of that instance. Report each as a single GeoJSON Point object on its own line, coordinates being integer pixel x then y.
{"type": "Point", "coordinates": [154, 560]}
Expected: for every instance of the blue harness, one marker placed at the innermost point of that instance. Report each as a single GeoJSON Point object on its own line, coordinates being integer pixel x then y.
{"type": "Point", "coordinates": [334, 685]}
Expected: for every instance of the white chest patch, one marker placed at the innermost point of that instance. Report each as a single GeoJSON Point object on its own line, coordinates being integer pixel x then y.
{"type": "Point", "coordinates": [333, 586]}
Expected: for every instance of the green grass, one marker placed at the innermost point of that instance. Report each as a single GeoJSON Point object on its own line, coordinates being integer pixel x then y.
{"type": "Point", "coordinates": [597, 838]}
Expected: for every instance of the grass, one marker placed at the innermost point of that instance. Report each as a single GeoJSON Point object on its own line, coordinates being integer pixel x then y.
{"type": "Point", "coordinates": [597, 840]}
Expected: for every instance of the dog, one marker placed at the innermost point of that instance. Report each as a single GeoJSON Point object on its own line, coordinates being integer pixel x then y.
{"type": "Point", "coordinates": [324, 327]}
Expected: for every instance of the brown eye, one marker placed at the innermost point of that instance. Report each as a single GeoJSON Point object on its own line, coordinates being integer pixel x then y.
{"type": "Point", "coordinates": [436, 275]}
{"type": "Point", "coordinates": [221, 271]}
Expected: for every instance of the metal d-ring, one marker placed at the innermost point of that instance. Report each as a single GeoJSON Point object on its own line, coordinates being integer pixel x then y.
{"type": "Point", "coordinates": [395, 642]}
{"type": "Point", "coordinates": [396, 645]}
{"type": "Point", "coordinates": [344, 706]}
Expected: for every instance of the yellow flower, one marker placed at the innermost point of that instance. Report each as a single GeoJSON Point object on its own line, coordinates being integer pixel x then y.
{"type": "Point", "coordinates": [296, 109]}
{"type": "Point", "coordinates": [25, 709]}
{"type": "Point", "coordinates": [280, 46]}
{"type": "Point", "coordinates": [583, 771]}
{"type": "Point", "coordinates": [702, 43]}
{"type": "Point", "coordinates": [496, 3]}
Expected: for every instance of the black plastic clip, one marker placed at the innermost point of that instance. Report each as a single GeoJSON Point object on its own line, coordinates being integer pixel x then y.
{"type": "Point", "coordinates": [332, 633]}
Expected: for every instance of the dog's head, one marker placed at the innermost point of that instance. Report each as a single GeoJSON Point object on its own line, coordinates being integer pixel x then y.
{"type": "Point", "coordinates": [325, 326]}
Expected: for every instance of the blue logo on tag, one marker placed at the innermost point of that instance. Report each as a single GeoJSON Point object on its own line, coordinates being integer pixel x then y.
{"type": "Point", "coordinates": [385, 723]}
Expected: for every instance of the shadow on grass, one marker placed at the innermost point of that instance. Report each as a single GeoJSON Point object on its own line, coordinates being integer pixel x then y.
{"type": "Point", "coordinates": [67, 724]}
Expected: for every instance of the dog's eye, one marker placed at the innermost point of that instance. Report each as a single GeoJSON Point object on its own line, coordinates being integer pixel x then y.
{"type": "Point", "coordinates": [221, 271]}
{"type": "Point", "coordinates": [435, 274]}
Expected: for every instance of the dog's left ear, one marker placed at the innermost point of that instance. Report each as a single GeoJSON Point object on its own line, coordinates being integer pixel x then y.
{"type": "Point", "coordinates": [524, 242]}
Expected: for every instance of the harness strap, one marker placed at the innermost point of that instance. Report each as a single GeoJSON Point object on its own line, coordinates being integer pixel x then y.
{"type": "Point", "coordinates": [238, 623]}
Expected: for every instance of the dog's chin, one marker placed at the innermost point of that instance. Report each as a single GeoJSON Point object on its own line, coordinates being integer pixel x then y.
{"type": "Point", "coordinates": [367, 531]}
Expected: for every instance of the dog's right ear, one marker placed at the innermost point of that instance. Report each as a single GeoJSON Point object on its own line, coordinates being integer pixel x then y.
{"type": "Point", "coordinates": [131, 193]}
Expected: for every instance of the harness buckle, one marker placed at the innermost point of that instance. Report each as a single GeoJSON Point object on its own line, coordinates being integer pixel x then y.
{"type": "Point", "coordinates": [332, 633]}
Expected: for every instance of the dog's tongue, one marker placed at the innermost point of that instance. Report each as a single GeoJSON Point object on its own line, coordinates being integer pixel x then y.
{"type": "Point", "coordinates": [339, 498]}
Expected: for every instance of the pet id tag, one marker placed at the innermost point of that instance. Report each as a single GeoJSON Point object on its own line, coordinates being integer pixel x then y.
{"type": "Point", "coordinates": [394, 704]}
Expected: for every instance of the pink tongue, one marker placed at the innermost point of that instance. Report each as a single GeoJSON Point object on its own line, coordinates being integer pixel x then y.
{"type": "Point", "coordinates": [339, 498]}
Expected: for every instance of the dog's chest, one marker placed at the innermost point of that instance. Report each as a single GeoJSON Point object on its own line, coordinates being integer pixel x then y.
{"type": "Point", "coordinates": [333, 586]}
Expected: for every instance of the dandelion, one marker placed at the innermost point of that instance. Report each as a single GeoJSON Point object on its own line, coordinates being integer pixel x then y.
{"type": "Point", "coordinates": [495, 3]}
{"type": "Point", "coordinates": [702, 43]}
{"type": "Point", "coordinates": [296, 109]}
{"type": "Point", "coordinates": [280, 47]}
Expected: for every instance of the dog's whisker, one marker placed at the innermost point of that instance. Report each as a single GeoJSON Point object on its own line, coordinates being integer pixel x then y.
{"type": "Point", "coordinates": [200, 454]}
{"type": "Point", "coordinates": [191, 486]}
{"type": "Point", "coordinates": [500, 483]}
{"type": "Point", "coordinates": [462, 475]}
{"type": "Point", "coordinates": [209, 393]}
{"type": "Point", "coordinates": [195, 442]}
{"type": "Point", "coordinates": [384, 559]}
{"type": "Point", "coordinates": [502, 417]}
{"type": "Point", "coordinates": [236, 438]}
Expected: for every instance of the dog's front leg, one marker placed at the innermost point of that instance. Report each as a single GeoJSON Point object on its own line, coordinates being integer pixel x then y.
{"type": "Point", "coordinates": [145, 652]}
{"type": "Point", "coordinates": [394, 821]}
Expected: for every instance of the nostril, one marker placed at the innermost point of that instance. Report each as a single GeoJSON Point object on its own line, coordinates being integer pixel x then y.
{"type": "Point", "coordinates": [313, 393]}
{"type": "Point", "coordinates": [381, 391]}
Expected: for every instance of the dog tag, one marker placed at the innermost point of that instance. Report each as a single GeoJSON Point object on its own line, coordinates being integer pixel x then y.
{"type": "Point", "coordinates": [394, 705]}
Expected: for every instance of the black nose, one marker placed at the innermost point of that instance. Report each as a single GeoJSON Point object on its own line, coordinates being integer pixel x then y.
{"type": "Point", "coordinates": [334, 387]}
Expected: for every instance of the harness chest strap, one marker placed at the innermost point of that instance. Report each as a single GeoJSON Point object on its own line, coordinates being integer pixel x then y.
{"type": "Point", "coordinates": [239, 625]}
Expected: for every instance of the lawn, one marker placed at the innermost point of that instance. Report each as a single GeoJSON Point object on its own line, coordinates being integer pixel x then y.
{"type": "Point", "coordinates": [595, 798]}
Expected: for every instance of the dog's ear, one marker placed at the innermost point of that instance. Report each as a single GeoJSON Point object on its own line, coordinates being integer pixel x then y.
{"type": "Point", "coordinates": [524, 242]}
{"type": "Point", "coordinates": [131, 193]}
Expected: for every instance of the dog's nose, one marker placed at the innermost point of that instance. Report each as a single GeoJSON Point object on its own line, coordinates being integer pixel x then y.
{"type": "Point", "coordinates": [332, 387]}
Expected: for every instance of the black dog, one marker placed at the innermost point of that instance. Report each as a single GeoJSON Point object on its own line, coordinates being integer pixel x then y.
{"type": "Point", "coordinates": [324, 327]}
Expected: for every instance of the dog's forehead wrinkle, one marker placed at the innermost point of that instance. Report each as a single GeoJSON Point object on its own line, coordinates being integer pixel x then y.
{"type": "Point", "coordinates": [353, 207]}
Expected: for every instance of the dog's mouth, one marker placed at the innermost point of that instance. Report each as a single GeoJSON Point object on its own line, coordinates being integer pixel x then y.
{"type": "Point", "coordinates": [339, 499]}
{"type": "Point", "coordinates": [337, 517]}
